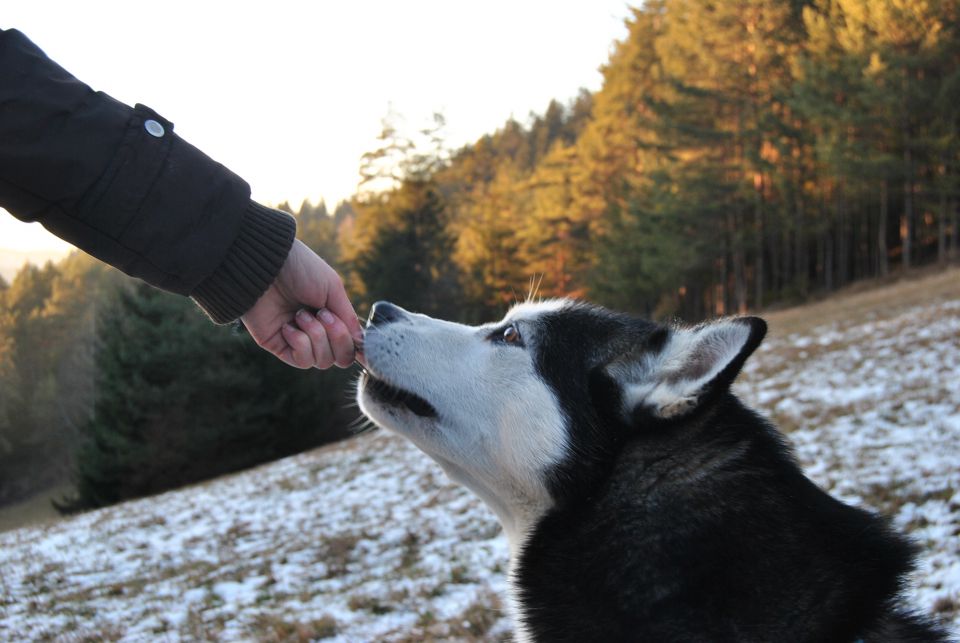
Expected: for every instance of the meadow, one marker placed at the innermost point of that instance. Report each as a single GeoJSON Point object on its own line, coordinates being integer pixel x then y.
{"type": "Point", "coordinates": [366, 540]}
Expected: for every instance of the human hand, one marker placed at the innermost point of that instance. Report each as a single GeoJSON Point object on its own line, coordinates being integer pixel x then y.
{"type": "Point", "coordinates": [281, 323]}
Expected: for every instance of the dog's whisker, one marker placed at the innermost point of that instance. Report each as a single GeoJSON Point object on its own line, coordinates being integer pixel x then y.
{"type": "Point", "coordinates": [536, 281]}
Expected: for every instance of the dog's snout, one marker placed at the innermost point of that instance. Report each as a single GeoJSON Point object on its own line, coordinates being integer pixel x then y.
{"type": "Point", "coordinates": [383, 312]}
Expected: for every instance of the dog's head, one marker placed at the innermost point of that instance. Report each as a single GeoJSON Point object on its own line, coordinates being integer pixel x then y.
{"type": "Point", "coordinates": [519, 409]}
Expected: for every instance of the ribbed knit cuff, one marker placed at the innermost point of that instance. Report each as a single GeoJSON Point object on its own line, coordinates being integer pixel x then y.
{"type": "Point", "coordinates": [250, 266]}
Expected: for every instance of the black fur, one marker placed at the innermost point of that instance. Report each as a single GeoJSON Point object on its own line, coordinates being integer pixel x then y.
{"type": "Point", "coordinates": [703, 529]}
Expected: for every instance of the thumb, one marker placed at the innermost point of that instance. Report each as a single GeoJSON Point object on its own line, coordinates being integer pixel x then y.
{"type": "Point", "coordinates": [339, 304]}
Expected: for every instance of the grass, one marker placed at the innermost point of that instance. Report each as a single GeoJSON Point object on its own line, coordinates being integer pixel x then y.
{"type": "Point", "coordinates": [364, 603]}
{"type": "Point", "coordinates": [86, 634]}
{"type": "Point", "coordinates": [35, 510]}
{"type": "Point", "coordinates": [269, 628]}
{"type": "Point", "coordinates": [472, 625]}
{"type": "Point", "coordinates": [876, 298]}
{"type": "Point", "coordinates": [338, 552]}
{"type": "Point", "coordinates": [363, 563]}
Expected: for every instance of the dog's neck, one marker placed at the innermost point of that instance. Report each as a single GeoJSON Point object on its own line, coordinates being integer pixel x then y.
{"type": "Point", "coordinates": [517, 512]}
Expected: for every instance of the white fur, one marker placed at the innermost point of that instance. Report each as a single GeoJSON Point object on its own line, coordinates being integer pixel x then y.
{"type": "Point", "coordinates": [671, 381]}
{"type": "Point", "coordinates": [499, 426]}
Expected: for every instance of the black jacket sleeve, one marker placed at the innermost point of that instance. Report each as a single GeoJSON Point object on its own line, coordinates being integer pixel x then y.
{"type": "Point", "coordinates": [118, 183]}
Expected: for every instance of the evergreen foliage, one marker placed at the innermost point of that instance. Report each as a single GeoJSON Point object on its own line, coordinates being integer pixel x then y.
{"type": "Point", "coordinates": [126, 391]}
{"type": "Point", "coordinates": [408, 260]}
{"type": "Point", "coordinates": [46, 318]}
{"type": "Point", "coordinates": [738, 155]}
{"type": "Point", "coordinates": [180, 400]}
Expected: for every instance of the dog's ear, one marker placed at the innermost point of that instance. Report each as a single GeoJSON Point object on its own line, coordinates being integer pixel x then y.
{"type": "Point", "coordinates": [678, 370]}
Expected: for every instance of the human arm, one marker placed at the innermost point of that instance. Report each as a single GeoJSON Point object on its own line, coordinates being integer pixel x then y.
{"type": "Point", "coordinates": [118, 183]}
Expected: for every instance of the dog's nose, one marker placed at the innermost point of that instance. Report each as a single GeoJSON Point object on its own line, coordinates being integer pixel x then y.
{"type": "Point", "coordinates": [383, 312]}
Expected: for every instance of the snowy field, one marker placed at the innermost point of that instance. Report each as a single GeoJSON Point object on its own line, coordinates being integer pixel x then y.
{"type": "Point", "coordinates": [368, 541]}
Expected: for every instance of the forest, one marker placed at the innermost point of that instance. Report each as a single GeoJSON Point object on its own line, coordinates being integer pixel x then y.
{"type": "Point", "coordinates": [738, 156]}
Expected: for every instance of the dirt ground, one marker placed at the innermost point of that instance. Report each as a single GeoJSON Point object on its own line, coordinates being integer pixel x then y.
{"type": "Point", "coordinates": [32, 511]}
{"type": "Point", "coordinates": [880, 298]}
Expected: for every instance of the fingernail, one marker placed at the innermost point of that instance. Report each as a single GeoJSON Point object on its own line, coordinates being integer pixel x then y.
{"type": "Point", "coordinates": [325, 316]}
{"type": "Point", "coordinates": [302, 314]}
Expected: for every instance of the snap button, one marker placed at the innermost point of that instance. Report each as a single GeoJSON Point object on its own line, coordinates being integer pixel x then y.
{"type": "Point", "coordinates": [153, 128]}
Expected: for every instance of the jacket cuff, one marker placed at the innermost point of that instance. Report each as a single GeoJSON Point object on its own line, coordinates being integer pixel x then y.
{"type": "Point", "coordinates": [251, 264]}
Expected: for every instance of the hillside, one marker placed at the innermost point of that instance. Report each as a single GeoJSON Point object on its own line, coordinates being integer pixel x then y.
{"type": "Point", "coordinates": [367, 540]}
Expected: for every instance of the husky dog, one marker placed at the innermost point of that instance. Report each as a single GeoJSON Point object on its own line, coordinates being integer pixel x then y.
{"type": "Point", "coordinates": [641, 499]}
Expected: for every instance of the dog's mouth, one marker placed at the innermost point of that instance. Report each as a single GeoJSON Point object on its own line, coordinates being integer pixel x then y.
{"type": "Point", "coordinates": [391, 395]}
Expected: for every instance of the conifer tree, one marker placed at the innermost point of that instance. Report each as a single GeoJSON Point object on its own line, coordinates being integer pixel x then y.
{"type": "Point", "coordinates": [179, 400]}
{"type": "Point", "coordinates": [791, 146]}
{"type": "Point", "coordinates": [408, 257]}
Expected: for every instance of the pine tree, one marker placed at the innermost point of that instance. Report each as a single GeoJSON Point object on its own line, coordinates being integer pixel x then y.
{"type": "Point", "coordinates": [45, 337]}
{"type": "Point", "coordinates": [318, 230]}
{"type": "Point", "coordinates": [727, 65]}
{"type": "Point", "coordinates": [9, 388]}
{"type": "Point", "coordinates": [487, 249]}
{"type": "Point", "coordinates": [871, 73]}
{"type": "Point", "coordinates": [34, 343]}
{"type": "Point", "coordinates": [787, 145]}
{"type": "Point", "coordinates": [645, 260]}
{"type": "Point", "coordinates": [180, 400]}
{"type": "Point", "coordinates": [408, 259]}
{"type": "Point", "coordinates": [553, 239]}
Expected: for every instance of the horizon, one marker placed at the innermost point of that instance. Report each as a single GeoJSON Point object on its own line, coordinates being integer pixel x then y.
{"type": "Point", "coordinates": [295, 125]}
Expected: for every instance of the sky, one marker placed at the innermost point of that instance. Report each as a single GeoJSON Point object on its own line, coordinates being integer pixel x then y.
{"type": "Point", "coordinates": [290, 94]}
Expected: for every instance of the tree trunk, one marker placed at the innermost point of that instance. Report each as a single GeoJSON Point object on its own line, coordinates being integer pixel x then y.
{"type": "Point", "coordinates": [786, 259]}
{"type": "Point", "coordinates": [882, 265]}
{"type": "Point", "coordinates": [758, 221]}
{"type": "Point", "coordinates": [867, 261]}
{"type": "Point", "coordinates": [828, 259]}
{"type": "Point", "coordinates": [801, 266]}
{"type": "Point", "coordinates": [740, 280]}
{"type": "Point", "coordinates": [867, 258]}
{"type": "Point", "coordinates": [955, 226]}
{"type": "Point", "coordinates": [906, 221]}
{"type": "Point", "coordinates": [942, 218]}
{"type": "Point", "coordinates": [843, 245]}
{"type": "Point", "coordinates": [739, 266]}
{"type": "Point", "coordinates": [693, 301]}
{"type": "Point", "coordinates": [942, 228]}
{"type": "Point", "coordinates": [722, 289]}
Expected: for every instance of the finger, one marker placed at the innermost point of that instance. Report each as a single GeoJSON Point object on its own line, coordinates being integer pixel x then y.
{"type": "Point", "coordinates": [341, 343]}
{"type": "Point", "coordinates": [322, 355]}
{"type": "Point", "coordinates": [274, 344]}
{"type": "Point", "coordinates": [339, 304]}
{"type": "Point", "coordinates": [299, 352]}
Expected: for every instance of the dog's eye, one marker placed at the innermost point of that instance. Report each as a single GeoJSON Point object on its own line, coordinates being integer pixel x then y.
{"type": "Point", "coordinates": [509, 335]}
